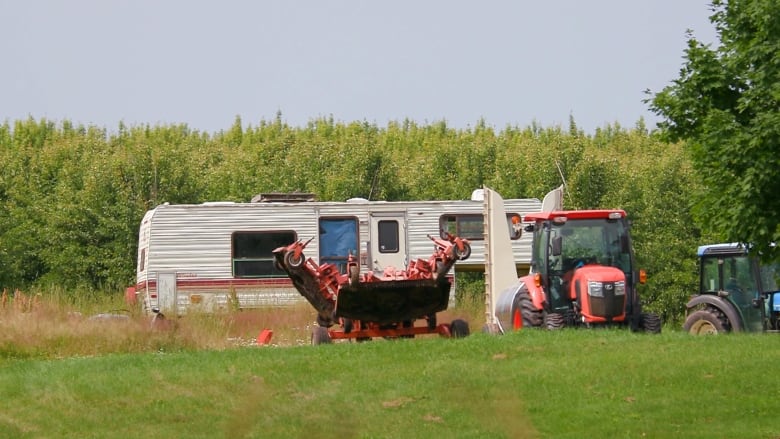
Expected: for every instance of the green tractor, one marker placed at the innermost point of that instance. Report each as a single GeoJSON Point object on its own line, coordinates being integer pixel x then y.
{"type": "Point", "coordinates": [736, 293]}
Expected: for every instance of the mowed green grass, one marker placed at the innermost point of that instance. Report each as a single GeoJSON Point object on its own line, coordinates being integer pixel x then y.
{"type": "Point", "coordinates": [565, 384]}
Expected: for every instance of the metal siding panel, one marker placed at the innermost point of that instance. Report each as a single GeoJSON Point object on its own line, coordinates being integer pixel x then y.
{"type": "Point", "coordinates": [195, 240]}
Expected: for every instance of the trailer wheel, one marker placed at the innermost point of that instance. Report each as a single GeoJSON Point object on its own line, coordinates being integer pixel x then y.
{"type": "Point", "coordinates": [705, 322]}
{"type": "Point", "coordinates": [158, 320]}
{"type": "Point", "coordinates": [650, 322]}
{"type": "Point", "coordinates": [459, 328]}
{"type": "Point", "coordinates": [320, 335]}
{"type": "Point", "coordinates": [293, 261]}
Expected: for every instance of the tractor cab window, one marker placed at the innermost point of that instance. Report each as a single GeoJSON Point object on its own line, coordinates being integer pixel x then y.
{"type": "Point", "coordinates": [738, 278]}
{"type": "Point", "coordinates": [541, 251]}
{"type": "Point", "coordinates": [769, 277]}
{"type": "Point", "coordinates": [709, 275]}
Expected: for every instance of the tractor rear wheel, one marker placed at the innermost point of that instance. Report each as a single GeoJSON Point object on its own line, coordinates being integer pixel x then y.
{"type": "Point", "coordinates": [706, 321]}
{"type": "Point", "coordinates": [459, 328]}
{"type": "Point", "coordinates": [524, 314]}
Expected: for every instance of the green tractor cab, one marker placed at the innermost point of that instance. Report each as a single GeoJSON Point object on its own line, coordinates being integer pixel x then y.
{"type": "Point", "coordinates": [737, 293]}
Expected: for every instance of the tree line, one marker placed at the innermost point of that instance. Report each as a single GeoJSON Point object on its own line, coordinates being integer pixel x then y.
{"type": "Point", "coordinates": [73, 196]}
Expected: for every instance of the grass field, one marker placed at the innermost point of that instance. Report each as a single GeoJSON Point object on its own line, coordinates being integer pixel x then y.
{"type": "Point", "coordinates": [203, 378]}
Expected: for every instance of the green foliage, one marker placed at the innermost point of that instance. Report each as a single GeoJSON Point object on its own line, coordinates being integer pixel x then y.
{"type": "Point", "coordinates": [73, 197]}
{"type": "Point", "coordinates": [726, 104]}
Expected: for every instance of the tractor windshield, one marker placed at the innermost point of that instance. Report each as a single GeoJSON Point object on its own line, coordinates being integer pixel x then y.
{"type": "Point", "coordinates": [591, 241]}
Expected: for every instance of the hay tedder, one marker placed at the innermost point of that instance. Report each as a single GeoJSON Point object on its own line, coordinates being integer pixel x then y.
{"type": "Point", "coordinates": [368, 305]}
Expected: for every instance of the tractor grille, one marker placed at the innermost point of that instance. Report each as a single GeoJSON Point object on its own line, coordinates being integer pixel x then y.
{"type": "Point", "coordinates": [608, 305]}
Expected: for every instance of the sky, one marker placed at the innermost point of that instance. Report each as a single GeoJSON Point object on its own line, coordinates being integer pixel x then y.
{"type": "Point", "coordinates": [204, 63]}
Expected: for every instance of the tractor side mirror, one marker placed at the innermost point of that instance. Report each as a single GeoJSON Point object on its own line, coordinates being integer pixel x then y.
{"type": "Point", "coordinates": [557, 245]}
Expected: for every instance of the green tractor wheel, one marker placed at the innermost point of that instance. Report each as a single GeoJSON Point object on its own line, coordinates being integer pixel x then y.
{"type": "Point", "coordinates": [706, 321]}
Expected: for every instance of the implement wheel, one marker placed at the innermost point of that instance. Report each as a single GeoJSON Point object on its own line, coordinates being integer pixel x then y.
{"type": "Point", "coordinates": [293, 261]}
{"type": "Point", "coordinates": [463, 254]}
{"type": "Point", "coordinates": [459, 328]}
{"type": "Point", "coordinates": [320, 335]}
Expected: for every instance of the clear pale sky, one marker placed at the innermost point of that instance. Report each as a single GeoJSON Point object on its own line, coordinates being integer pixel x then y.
{"type": "Point", "coordinates": [202, 63]}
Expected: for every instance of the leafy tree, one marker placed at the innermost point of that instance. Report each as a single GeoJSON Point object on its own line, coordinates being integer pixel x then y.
{"type": "Point", "coordinates": [726, 105]}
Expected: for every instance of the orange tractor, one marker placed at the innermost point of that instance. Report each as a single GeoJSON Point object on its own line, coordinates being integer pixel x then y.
{"type": "Point", "coordinates": [363, 306]}
{"type": "Point", "coordinates": [583, 273]}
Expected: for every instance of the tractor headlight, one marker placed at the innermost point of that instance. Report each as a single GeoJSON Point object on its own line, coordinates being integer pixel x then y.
{"type": "Point", "coordinates": [620, 288]}
{"type": "Point", "coordinates": [595, 289]}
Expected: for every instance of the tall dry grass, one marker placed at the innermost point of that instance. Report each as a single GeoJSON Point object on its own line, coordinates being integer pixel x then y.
{"type": "Point", "coordinates": [60, 324]}
{"type": "Point", "coordinates": [53, 325]}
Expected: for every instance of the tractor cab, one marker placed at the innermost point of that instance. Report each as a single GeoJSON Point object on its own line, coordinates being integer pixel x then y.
{"type": "Point", "coordinates": [583, 261]}
{"type": "Point", "coordinates": [736, 292]}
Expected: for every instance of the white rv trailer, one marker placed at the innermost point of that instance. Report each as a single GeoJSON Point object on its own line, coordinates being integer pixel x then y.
{"type": "Point", "coordinates": [218, 255]}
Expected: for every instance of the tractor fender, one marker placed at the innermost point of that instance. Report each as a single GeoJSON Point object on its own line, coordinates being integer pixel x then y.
{"type": "Point", "coordinates": [720, 303]}
{"type": "Point", "coordinates": [504, 303]}
{"type": "Point", "coordinates": [536, 292]}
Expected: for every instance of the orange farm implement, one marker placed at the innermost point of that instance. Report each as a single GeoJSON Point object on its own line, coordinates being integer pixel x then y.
{"type": "Point", "coordinates": [361, 306]}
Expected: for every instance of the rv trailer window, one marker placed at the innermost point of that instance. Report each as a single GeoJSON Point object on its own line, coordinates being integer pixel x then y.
{"type": "Point", "coordinates": [252, 252]}
{"type": "Point", "coordinates": [388, 236]}
{"type": "Point", "coordinates": [471, 226]}
{"type": "Point", "coordinates": [142, 262]}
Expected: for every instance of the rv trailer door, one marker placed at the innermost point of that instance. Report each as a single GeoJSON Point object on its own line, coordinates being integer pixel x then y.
{"type": "Point", "coordinates": [388, 241]}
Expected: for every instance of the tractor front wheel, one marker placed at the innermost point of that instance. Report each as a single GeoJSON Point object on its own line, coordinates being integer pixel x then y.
{"type": "Point", "coordinates": [650, 322]}
{"type": "Point", "coordinates": [705, 322]}
{"type": "Point", "coordinates": [554, 321]}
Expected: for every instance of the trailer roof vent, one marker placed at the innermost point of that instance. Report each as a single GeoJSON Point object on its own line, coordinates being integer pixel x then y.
{"type": "Point", "coordinates": [283, 197]}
